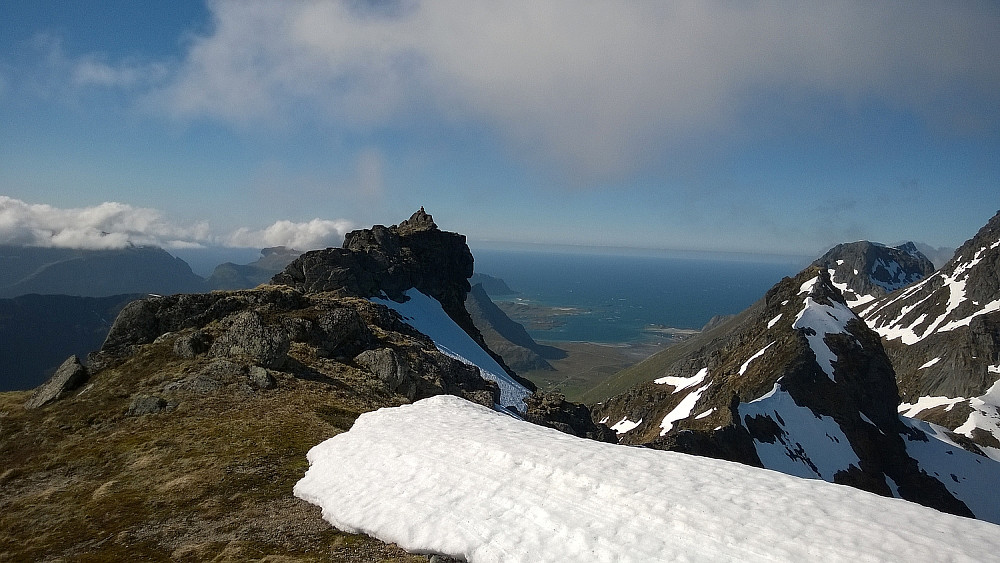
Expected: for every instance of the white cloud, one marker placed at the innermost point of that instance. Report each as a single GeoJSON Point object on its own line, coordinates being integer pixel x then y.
{"type": "Point", "coordinates": [92, 71]}
{"type": "Point", "coordinates": [318, 233]}
{"type": "Point", "coordinates": [117, 225]}
{"type": "Point", "coordinates": [597, 87]}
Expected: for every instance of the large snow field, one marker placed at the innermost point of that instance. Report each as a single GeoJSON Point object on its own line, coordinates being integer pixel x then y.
{"type": "Point", "coordinates": [425, 314]}
{"type": "Point", "coordinates": [447, 476]}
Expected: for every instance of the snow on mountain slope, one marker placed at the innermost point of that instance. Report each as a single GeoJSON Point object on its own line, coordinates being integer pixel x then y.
{"type": "Point", "coordinates": [425, 314]}
{"type": "Point", "coordinates": [799, 384]}
{"type": "Point", "coordinates": [943, 337]}
{"type": "Point", "coordinates": [808, 445]}
{"type": "Point", "coordinates": [447, 476]}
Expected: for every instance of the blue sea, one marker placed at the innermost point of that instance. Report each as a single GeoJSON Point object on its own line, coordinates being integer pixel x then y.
{"type": "Point", "coordinates": [618, 295]}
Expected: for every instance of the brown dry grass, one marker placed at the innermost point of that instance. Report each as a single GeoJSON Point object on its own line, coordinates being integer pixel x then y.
{"type": "Point", "coordinates": [209, 480]}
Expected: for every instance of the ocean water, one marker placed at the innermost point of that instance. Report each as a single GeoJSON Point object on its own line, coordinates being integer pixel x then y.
{"type": "Point", "coordinates": [619, 297]}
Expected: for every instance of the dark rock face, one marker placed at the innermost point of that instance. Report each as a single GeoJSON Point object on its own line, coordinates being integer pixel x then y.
{"type": "Point", "coordinates": [795, 365]}
{"type": "Point", "coordinates": [865, 271]}
{"type": "Point", "coordinates": [554, 411]}
{"type": "Point", "coordinates": [146, 404]}
{"type": "Point", "coordinates": [142, 321]}
{"type": "Point", "coordinates": [943, 337]}
{"type": "Point", "coordinates": [70, 376]}
{"type": "Point", "coordinates": [391, 260]}
{"type": "Point", "coordinates": [247, 338]}
{"type": "Point", "coordinates": [244, 338]}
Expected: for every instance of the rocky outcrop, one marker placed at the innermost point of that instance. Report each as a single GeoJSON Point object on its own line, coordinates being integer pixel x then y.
{"type": "Point", "coordinates": [799, 384]}
{"type": "Point", "coordinates": [390, 260]}
{"type": "Point", "coordinates": [943, 337]}
{"type": "Point", "coordinates": [70, 376]}
{"type": "Point", "coordinates": [554, 411]}
{"type": "Point", "coordinates": [864, 271]}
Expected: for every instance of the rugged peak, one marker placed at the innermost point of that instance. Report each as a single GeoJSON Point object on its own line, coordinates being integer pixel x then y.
{"type": "Point", "coordinates": [419, 221]}
{"type": "Point", "coordinates": [797, 383]}
{"type": "Point", "coordinates": [388, 261]}
{"type": "Point", "coordinates": [943, 337]}
{"type": "Point", "coordinates": [865, 271]}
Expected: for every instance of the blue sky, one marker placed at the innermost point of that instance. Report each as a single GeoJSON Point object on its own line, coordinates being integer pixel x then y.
{"type": "Point", "coordinates": [750, 127]}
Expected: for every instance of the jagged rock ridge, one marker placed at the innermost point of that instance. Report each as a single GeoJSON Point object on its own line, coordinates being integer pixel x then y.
{"type": "Point", "coordinates": [390, 260]}
{"type": "Point", "coordinates": [798, 383]}
{"type": "Point", "coordinates": [943, 337]}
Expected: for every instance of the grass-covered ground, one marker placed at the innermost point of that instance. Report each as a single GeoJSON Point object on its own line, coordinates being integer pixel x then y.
{"type": "Point", "coordinates": [207, 479]}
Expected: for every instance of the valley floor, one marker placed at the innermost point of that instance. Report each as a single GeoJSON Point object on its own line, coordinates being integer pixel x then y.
{"type": "Point", "coordinates": [588, 364]}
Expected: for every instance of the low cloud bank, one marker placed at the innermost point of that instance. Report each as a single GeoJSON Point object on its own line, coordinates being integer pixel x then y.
{"type": "Point", "coordinates": [112, 225]}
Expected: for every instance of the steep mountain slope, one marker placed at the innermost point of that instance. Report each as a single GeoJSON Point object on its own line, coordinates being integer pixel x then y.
{"type": "Point", "coordinates": [38, 332]}
{"type": "Point", "coordinates": [865, 271]}
{"type": "Point", "coordinates": [94, 273]}
{"type": "Point", "coordinates": [943, 337]}
{"type": "Point", "coordinates": [505, 336]}
{"type": "Point", "coordinates": [799, 384]}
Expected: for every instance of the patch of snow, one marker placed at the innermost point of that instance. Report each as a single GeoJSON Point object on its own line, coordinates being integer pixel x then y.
{"type": "Point", "coordinates": [866, 419]}
{"type": "Point", "coordinates": [892, 486]}
{"type": "Point", "coordinates": [988, 308]}
{"type": "Point", "coordinates": [773, 321]}
{"type": "Point", "coordinates": [681, 383]}
{"type": "Point", "coordinates": [840, 262]}
{"type": "Point", "coordinates": [930, 363]}
{"type": "Point", "coordinates": [993, 369]}
{"type": "Point", "coordinates": [985, 414]}
{"type": "Point", "coordinates": [425, 314]}
{"type": "Point", "coordinates": [923, 403]}
{"type": "Point", "coordinates": [704, 414]}
{"type": "Point", "coordinates": [605, 420]}
{"type": "Point", "coordinates": [823, 319]}
{"type": "Point", "coordinates": [447, 476]}
{"type": "Point", "coordinates": [857, 301]}
{"type": "Point", "coordinates": [808, 286]}
{"type": "Point", "coordinates": [810, 446]}
{"type": "Point", "coordinates": [624, 425]}
{"type": "Point", "coordinates": [682, 410]}
{"type": "Point", "coordinates": [743, 368]}
{"type": "Point", "coordinates": [971, 478]}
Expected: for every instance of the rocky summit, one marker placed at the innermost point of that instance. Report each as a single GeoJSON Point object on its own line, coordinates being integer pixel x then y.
{"type": "Point", "coordinates": [799, 384]}
{"type": "Point", "coordinates": [864, 271]}
{"type": "Point", "coordinates": [943, 337]}
{"type": "Point", "coordinates": [182, 436]}
{"type": "Point", "coordinates": [390, 260]}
